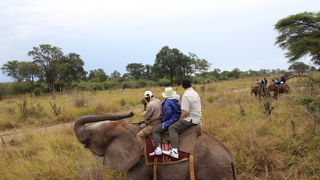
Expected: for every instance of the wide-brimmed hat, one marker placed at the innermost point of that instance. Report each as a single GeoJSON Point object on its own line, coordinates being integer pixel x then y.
{"type": "Point", "coordinates": [148, 94]}
{"type": "Point", "coordinates": [168, 92]}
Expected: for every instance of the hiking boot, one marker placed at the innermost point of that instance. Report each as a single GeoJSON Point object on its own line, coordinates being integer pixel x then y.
{"type": "Point", "coordinates": [173, 153]}
{"type": "Point", "coordinates": [156, 152]}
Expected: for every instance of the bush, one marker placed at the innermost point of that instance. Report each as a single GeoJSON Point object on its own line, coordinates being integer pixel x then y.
{"type": "Point", "coordinates": [312, 105]}
{"type": "Point", "coordinates": [2, 92]}
{"type": "Point", "coordinates": [22, 88]}
{"type": "Point", "coordinates": [164, 82]}
{"type": "Point", "coordinates": [37, 91]}
{"type": "Point", "coordinates": [123, 102]}
{"type": "Point", "coordinates": [112, 84]}
{"type": "Point", "coordinates": [80, 99]}
{"type": "Point", "coordinates": [30, 110]}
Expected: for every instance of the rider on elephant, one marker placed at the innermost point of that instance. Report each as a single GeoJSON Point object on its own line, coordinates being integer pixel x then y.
{"type": "Point", "coordinates": [190, 116]}
{"type": "Point", "coordinates": [152, 116]}
{"type": "Point", "coordinates": [171, 113]}
{"type": "Point", "coordinates": [264, 83]}
{"type": "Point", "coordinates": [281, 80]}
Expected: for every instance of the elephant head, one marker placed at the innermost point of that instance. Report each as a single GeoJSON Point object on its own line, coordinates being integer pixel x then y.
{"type": "Point", "coordinates": [114, 140]}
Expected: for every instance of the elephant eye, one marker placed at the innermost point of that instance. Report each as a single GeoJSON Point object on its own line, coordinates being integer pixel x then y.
{"type": "Point", "coordinates": [87, 144]}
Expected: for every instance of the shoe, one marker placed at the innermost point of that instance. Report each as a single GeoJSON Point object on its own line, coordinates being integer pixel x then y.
{"type": "Point", "coordinates": [156, 152]}
{"type": "Point", "coordinates": [172, 153]}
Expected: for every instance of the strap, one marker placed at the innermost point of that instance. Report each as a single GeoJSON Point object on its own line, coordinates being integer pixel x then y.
{"type": "Point", "coordinates": [155, 166]}
{"type": "Point", "coordinates": [191, 167]}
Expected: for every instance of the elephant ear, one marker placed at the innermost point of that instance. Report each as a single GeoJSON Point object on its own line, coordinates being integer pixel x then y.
{"type": "Point", "coordinates": [123, 151]}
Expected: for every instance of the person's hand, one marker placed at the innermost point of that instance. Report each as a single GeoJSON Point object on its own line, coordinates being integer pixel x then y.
{"type": "Point", "coordinates": [144, 102]}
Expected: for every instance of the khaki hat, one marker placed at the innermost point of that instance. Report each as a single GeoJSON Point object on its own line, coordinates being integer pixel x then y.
{"type": "Point", "coordinates": [168, 92]}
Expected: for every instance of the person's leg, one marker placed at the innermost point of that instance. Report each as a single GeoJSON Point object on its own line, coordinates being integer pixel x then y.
{"type": "Point", "coordinates": [157, 132]}
{"type": "Point", "coordinates": [175, 129]}
{"type": "Point", "coordinates": [145, 132]}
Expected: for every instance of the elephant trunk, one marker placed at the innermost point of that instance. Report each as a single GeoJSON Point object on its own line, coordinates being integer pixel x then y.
{"type": "Point", "coordinates": [80, 122]}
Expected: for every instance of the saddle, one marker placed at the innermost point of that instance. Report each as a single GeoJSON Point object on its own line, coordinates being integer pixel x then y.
{"type": "Point", "coordinates": [187, 141]}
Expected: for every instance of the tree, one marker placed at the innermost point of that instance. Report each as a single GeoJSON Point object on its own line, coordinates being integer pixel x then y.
{"type": "Point", "coordinates": [136, 70]}
{"type": "Point", "coordinates": [148, 72]}
{"type": "Point", "coordinates": [235, 73]}
{"type": "Point", "coordinates": [300, 36]}
{"type": "Point", "coordinates": [11, 69]}
{"type": "Point", "coordinates": [200, 65]}
{"type": "Point", "coordinates": [186, 66]}
{"type": "Point", "coordinates": [72, 68]}
{"type": "Point", "coordinates": [115, 74]}
{"type": "Point", "coordinates": [167, 62]}
{"type": "Point", "coordinates": [28, 71]}
{"type": "Point", "coordinates": [299, 67]}
{"type": "Point", "coordinates": [48, 58]}
{"type": "Point", "coordinates": [98, 75]}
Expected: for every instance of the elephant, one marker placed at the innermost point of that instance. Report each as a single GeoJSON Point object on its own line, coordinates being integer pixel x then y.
{"type": "Point", "coordinates": [116, 142]}
{"type": "Point", "coordinates": [258, 91]}
{"type": "Point", "coordinates": [278, 89]}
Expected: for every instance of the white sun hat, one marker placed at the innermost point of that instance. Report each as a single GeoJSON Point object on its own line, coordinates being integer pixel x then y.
{"type": "Point", "coordinates": [148, 94]}
{"type": "Point", "coordinates": [168, 92]}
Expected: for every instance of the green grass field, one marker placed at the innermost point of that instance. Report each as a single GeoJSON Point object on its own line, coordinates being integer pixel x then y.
{"type": "Point", "coordinates": [283, 145]}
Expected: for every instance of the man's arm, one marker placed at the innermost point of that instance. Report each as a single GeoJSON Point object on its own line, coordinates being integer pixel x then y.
{"type": "Point", "coordinates": [148, 113]}
{"type": "Point", "coordinates": [185, 107]}
{"type": "Point", "coordinates": [184, 114]}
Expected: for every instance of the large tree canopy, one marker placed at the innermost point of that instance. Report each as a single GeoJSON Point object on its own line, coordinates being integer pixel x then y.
{"type": "Point", "coordinates": [98, 75]}
{"type": "Point", "coordinates": [135, 70]}
{"type": "Point", "coordinates": [11, 69]}
{"type": "Point", "coordinates": [21, 70]}
{"type": "Point", "coordinates": [167, 62]}
{"type": "Point", "coordinates": [300, 36]}
{"type": "Point", "coordinates": [48, 58]}
{"type": "Point", "coordinates": [299, 67]}
{"type": "Point", "coordinates": [72, 68]}
{"type": "Point", "coordinates": [171, 63]}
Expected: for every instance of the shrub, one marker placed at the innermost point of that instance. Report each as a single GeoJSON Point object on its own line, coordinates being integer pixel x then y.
{"type": "Point", "coordinates": [268, 106]}
{"type": "Point", "coordinates": [210, 99]}
{"type": "Point", "coordinates": [164, 82]}
{"type": "Point", "coordinates": [37, 91]}
{"type": "Point", "coordinates": [123, 102]}
{"type": "Point", "coordinates": [22, 88]}
{"type": "Point", "coordinates": [56, 110]}
{"type": "Point", "coordinates": [30, 110]}
{"type": "Point", "coordinates": [111, 84]}
{"type": "Point", "coordinates": [80, 100]}
{"type": "Point", "coordinates": [312, 105]}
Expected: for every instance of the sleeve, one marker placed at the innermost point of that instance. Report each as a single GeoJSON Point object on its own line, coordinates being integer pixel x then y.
{"type": "Point", "coordinates": [148, 113]}
{"type": "Point", "coordinates": [166, 112]}
{"type": "Point", "coordinates": [185, 105]}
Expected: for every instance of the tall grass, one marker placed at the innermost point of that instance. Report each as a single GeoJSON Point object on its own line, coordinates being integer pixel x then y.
{"type": "Point", "coordinates": [278, 145]}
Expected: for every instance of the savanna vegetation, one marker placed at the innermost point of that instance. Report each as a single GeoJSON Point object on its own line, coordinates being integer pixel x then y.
{"type": "Point", "coordinates": [269, 139]}
{"type": "Point", "coordinates": [283, 144]}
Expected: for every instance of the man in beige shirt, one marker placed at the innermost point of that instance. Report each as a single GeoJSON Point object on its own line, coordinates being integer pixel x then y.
{"type": "Point", "coordinates": [152, 116]}
{"type": "Point", "coordinates": [190, 116]}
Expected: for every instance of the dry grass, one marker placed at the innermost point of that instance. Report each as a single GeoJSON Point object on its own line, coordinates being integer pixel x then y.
{"type": "Point", "coordinates": [275, 146]}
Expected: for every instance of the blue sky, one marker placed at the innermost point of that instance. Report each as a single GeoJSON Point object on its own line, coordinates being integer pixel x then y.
{"type": "Point", "coordinates": [111, 34]}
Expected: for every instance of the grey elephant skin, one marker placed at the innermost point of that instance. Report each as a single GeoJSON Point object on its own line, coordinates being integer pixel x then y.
{"type": "Point", "coordinates": [116, 142]}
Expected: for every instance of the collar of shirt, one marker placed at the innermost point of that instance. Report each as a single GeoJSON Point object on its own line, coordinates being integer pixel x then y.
{"type": "Point", "coordinates": [188, 90]}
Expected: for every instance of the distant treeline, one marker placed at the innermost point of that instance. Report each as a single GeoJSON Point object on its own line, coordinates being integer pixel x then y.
{"type": "Point", "coordinates": [51, 70]}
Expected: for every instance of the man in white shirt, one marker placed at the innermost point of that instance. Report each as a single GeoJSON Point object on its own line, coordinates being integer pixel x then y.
{"type": "Point", "coordinates": [190, 116]}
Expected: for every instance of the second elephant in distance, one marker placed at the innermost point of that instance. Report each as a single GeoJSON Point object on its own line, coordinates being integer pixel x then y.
{"type": "Point", "coordinates": [278, 89]}
{"type": "Point", "coordinates": [117, 143]}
